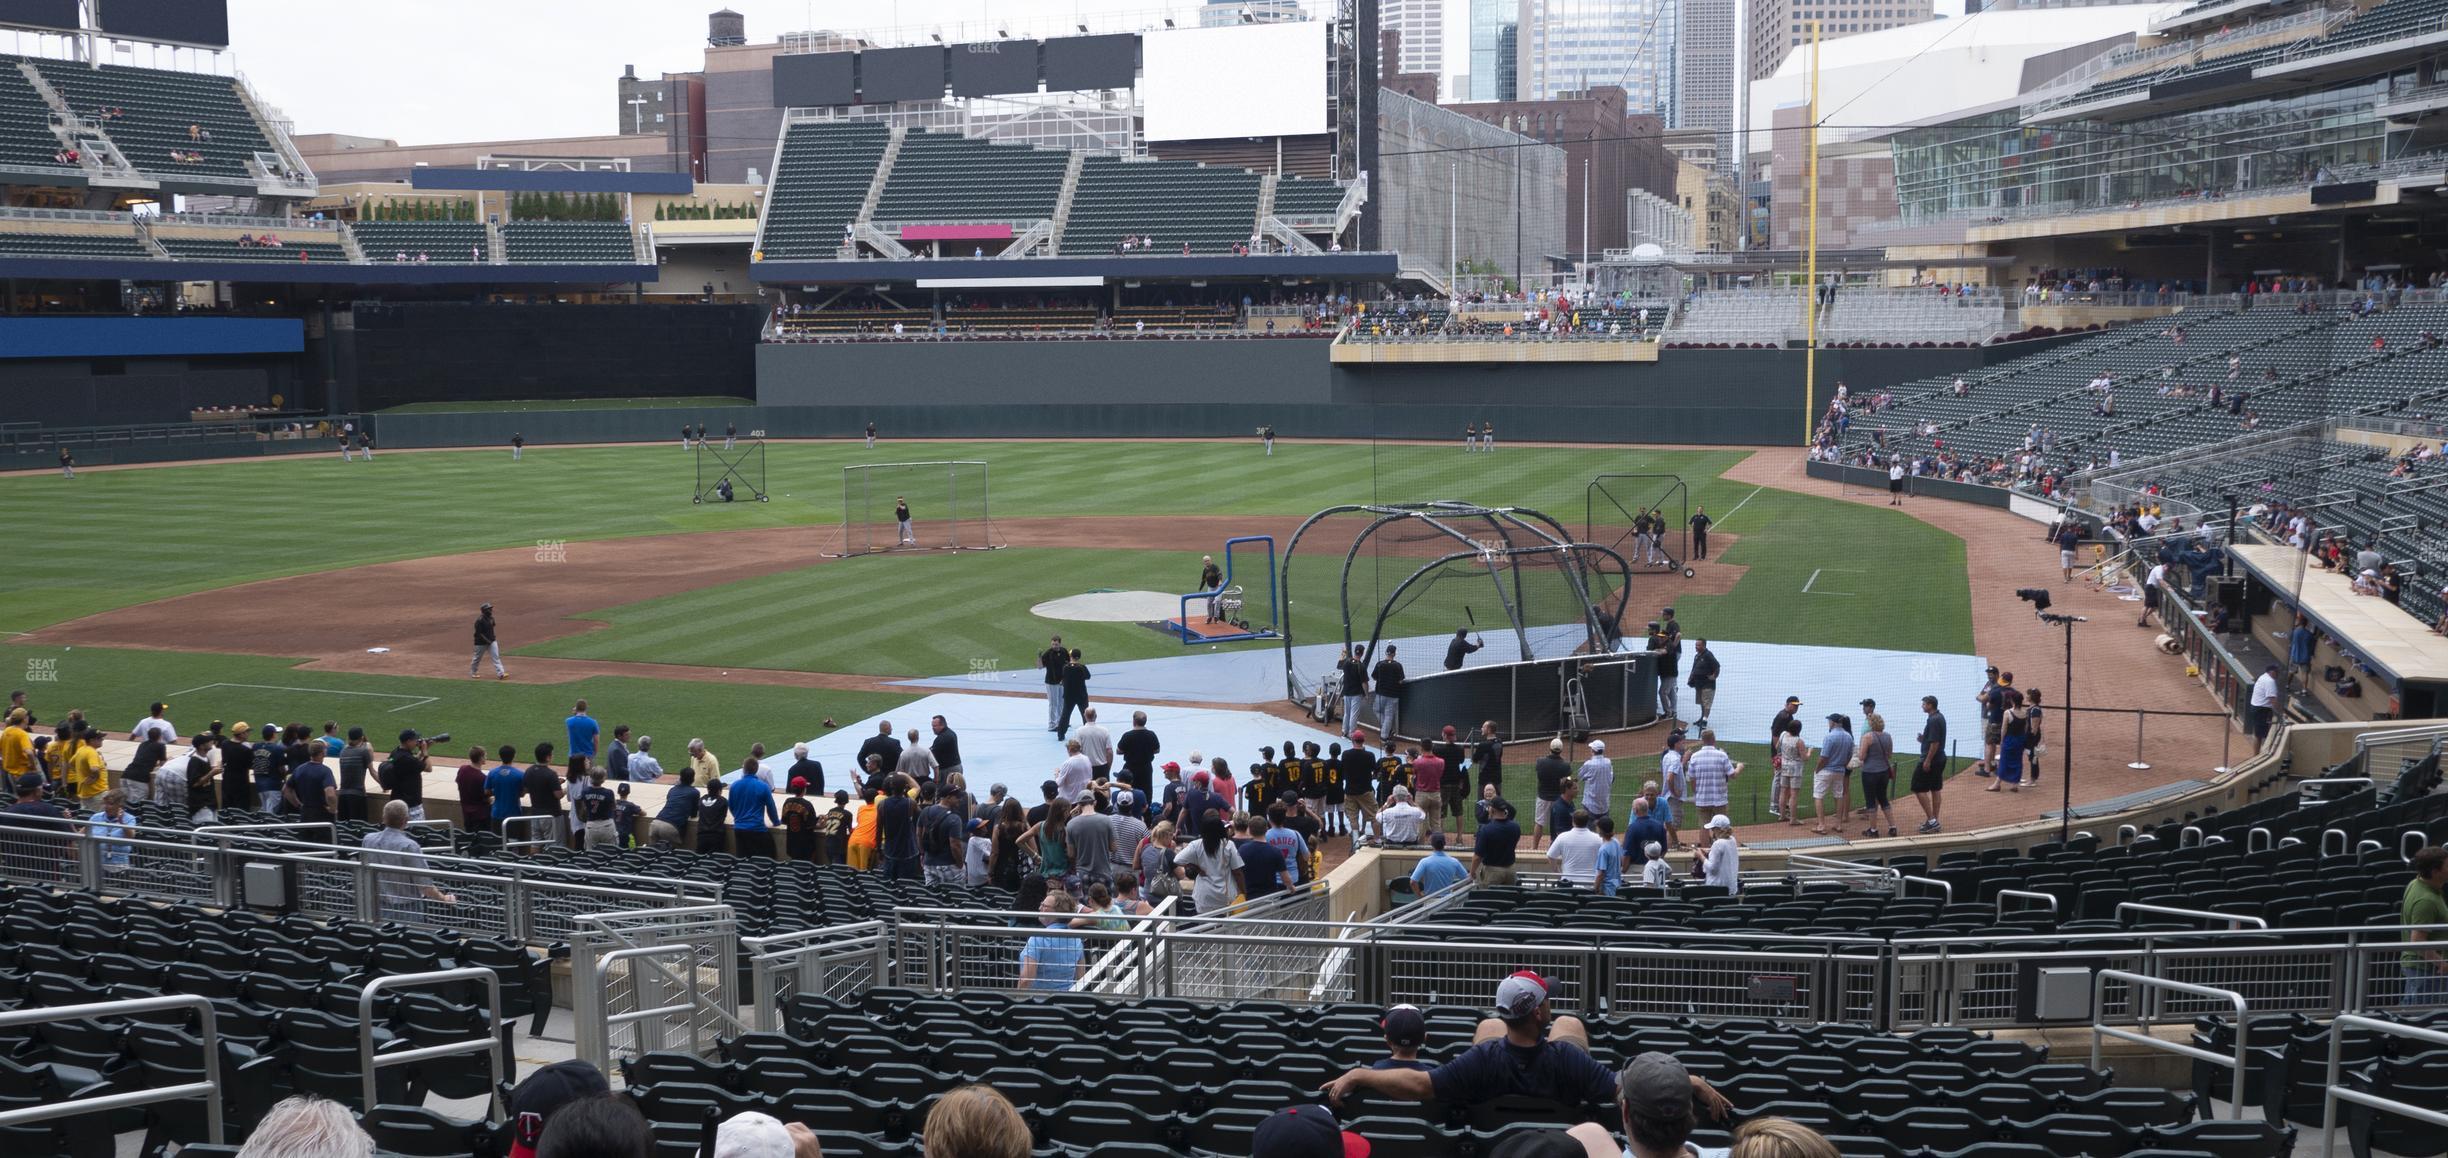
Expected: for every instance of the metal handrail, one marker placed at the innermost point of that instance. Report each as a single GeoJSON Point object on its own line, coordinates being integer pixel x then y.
{"type": "Point", "coordinates": [2333, 1093]}
{"type": "Point", "coordinates": [2100, 1029]}
{"type": "Point", "coordinates": [547, 823]}
{"type": "Point", "coordinates": [1945, 889]}
{"type": "Point", "coordinates": [685, 977]}
{"type": "Point", "coordinates": [370, 1065]}
{"type": "Point", "coordinates": [209, 1089]}
{"type": "Point", "coordinates": [2235, 922]}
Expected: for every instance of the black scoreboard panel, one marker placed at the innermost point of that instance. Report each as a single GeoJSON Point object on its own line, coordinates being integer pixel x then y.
{"type": "Point", "coordinates": [811, 79]}
{"type": "Point", "coordinates": [994, 68]}
{"type": "Point", "coordinates": [59, 14]}
{"type": "Point", "coordinates": [203, 22]}
{"type": "Point", "coordinates": [1084, 62]}
{"type": "Point", "coordinates": [901, 74]}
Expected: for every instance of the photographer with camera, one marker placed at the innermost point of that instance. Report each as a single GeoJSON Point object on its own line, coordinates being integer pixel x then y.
{"type": "Point", "coordinates": [403, 773]}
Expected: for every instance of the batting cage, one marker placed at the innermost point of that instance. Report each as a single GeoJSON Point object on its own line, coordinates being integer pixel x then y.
{"type": "Point", "coordinates": [733, 475]}
{"type": "Point", "coordinates": [946, 502]}
{"type": "Point", "coordinates": [1409, 576]}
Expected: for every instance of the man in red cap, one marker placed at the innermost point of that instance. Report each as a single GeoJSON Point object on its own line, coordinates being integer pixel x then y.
{"type": "Point", "coordinates": [1305, 1132]}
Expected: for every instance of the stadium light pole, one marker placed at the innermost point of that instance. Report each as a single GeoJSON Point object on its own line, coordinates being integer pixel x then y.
{"type": "Point", "coordinates": [1810, 258]}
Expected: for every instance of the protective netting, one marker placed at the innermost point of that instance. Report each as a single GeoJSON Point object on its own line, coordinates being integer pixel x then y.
{"type": "Point", "coordinates": [736, 474]}
{"type": "Point", "coordinates": [1535, 602]}
{"type": "Point", "coordinates": [947, 504]}
{"type": "Point", "coordinates": [1249, 567]}
{"type": "Point", "coordinates": [1617, 507]}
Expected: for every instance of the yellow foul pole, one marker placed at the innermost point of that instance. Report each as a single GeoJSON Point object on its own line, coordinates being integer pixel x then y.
{"type": "Point", "coordinates": [1810, 258]}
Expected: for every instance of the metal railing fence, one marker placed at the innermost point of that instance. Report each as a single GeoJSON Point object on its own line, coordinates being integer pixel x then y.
{"type": "Point", "coordinates": [372, 1064]}
{"type": "Point", "coordinates": [2147, 1012]}
{"type": "Point", "coordinates": [535, 903]}
{"type": "Point", "coordinates": [2335, 1092]}
{"type": "Point", "coordinates": [837, 963]}
{"type": "Point", "coordinates": [644, 980]}
{"type": "Point", "coordinates": [209, 1089]}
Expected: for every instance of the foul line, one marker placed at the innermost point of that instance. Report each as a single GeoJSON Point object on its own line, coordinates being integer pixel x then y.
{"type": "Point", "coordinates": [1719, 524]}
{"type": "Point", "coordinates": [415, 701]}
{"type": "Point", "coordinates": [1814, 578]}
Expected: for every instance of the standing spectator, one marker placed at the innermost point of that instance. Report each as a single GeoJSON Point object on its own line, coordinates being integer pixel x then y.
{"type": "Point", "coordinates": [1711, 773]}
{"type": "Point", "coordinates": [136, 779]}
{"type": "Point", "coordinates": [709, 770]}
{"type": "Point", "coordinates": [1437, 871]}
{"type": "Point", "coordinates": [1359, 769]}
{"type": "Point", "coordinates": [1666, 642]}
{"type": "Point", "coordinates": [679, 807]}
{"type": "Point", "coordinates": [713, 816]}
{"type": "Point", "coordinates": [616, 757]}
{"type": "Point", "coordinates": [1052, 661]}
{"type": "Point", "coordinates": [1487, 758]}
{"type": "Point", "coordinates": [1877, 773]}
{"type": "Point", "coordinates": [1213, 864]}
{"type": "Point", "coordinates": [315, 794]}
{"type": "Point", "coordinates": [1929, 775]}
{"type": "Point", "coordinates": [946, 747]}
{"type": "Point", "coordinates": [917, 760]}
{"type": "Point", "coordinates": [752, 813]}
{"type": "Point", "coordinates": [1575, 852]}
{"type": "Point", "coordinates": [1386, 704]}
{"type": "Point", "coordinates": [2264, 704]}
{"type": "Point", "coordinates": [391, 848]}
{"type": "Point", "coordinates": [475, 803]}
{"type": "Point", "coordinates": [1428, 776]}
{"type": "Point", "coordinates": [1597, 782]}
{"type": "Point", "coordinates": [156, 727]}
{"type": "Point", "coordinates": [626, 815]}
{"type": "Point", "coordinates": [1352, 682]}
{"type": "Point", "coordinates": [1138, 748]}
{"type": "Point", "coordinates": [403, 774]}
{"type": "Point", "coordinates": [488, 643]}
{"type": "Point", "coordinates": [643, 767]}
{"type": "Point", "coordinates": [1263, 866]}
{"type": "Point", "coordinates": [883, 747]}
{"type": "Point", "coordinates": [799, 822]}
{"type": "Point", "coordinates": [1832, 777]}
{"type": "Point", "coordinates": [356, 757]}
{"type": "Point", "coordinates": [1073, 775]}
{"type": "Point", "coordinates": [896, 821]}
{"type": "Point", "coordinates": [595, 810]}
{"type": "Point", "coordinates": [1097, 745]}
{"type": "Point", "coordinates": [1075, 678]}
{"type": "Point", "coordinates": [1128, 832]}
{"type": "Point", "coordinates": [1993, 720]}
{"type": "Point", "coordinates": [1495, 845]}
{"type": "Point", "coordinates": [1088, 841]}
{"type": "Point", "coordinates": [812, 771]}
{"type": "Point", "coordinates": [1552, 771]}
{"type": "Point", "coordinates": [505, 784]}
{"type": "Point", "coordinates": [1640, 832]}
{"type": "Point", "coordinates": [941, 845]}
{"type": "Point", "coordinates": [1721, 864]}
{"type": "Point", "coordinates": [543, 790]}
{"type": "Point", "coordinates": [1703, 680]}
{"type": "Point", "coordinates": [2069, 541]}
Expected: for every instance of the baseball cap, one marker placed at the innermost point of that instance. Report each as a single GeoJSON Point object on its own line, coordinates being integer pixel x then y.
{"type": "Point", "coordinates": [1404, 1025]}
{"type": "Point", "coordinates": [1835, 715]}
{"type": "Point", "coordinates": [1538, 1144]}
{"type": "Point", "coordinates": [28, 783]}
{"type": "Point", "coordinates": [1597, 745]}
{"type": "Point", "coordinates": [482, 606]}
{"type": "Point", "coordinates": [1655, 1085]}
{"type": "Point", "coordinates": [1555, 745]}
{"type": "Point", "coordinates": [798, 783]}
{"type": "Point", "coordinates": [408, 735]}
{"type": "Point", "coordinates": [1200, 777]}
{"type": "Point", "coordinates": [545, 1091]}
{"type": "Point", "coordinates": [1305, 1132]}
{"type": "Point", "coordinates": [1792, 701]}
{"type": "Point", "coordinates": [1172, 766]}
{"type": "Point", "coordinates": [1358, 736]}
{"type": "Point", "coordinates": [1521, 994]}
{"type": "Point", "coordinates": [1720, 821]}
{"type": "Point", "coordinates": [753, 1135]}
{"type": "Point", "coordinates": [1126, 799]}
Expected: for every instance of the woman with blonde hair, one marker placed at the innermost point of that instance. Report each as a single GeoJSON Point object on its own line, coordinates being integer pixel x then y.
{"type": "Point", "coordinates": [975, 1122]}
{"type": "Point", "coordinates": [1877, 750]}
{"type": "Point", "coordinates": [1763, 1138]}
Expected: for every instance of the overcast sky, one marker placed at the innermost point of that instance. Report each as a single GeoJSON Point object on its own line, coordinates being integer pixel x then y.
{"type": "Point", "coordinates": [473, 70]}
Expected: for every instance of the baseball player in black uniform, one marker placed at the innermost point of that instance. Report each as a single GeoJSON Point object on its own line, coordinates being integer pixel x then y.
{"type": "Point", "coordinates": [518, 445]}
{"type": "Point", "coordinates": [901, 516]}
{"type": "Point", "coordinates": [488, 642]}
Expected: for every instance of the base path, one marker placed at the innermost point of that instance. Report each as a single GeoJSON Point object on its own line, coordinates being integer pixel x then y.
{"type": "Point", "coordinates": [2114, 666]}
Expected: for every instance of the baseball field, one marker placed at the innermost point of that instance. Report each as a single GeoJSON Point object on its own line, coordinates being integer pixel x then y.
{"type": "Point", "coordinates": [315, 589]}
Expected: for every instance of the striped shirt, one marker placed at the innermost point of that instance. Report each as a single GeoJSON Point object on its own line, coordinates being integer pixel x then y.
{"type": "Point", "coordinates": [1708, 770]}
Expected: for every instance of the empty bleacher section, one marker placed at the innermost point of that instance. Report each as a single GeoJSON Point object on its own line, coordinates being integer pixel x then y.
{"type": "Point", "coordinates": [289, 245]}
{"type": "Point", "coordinates": [819, 185]}
{"type": "Point", "coordinates": [948, 178]}
{"type": "Point", "coordinates": [1911, 317]}
{"type": "Point", "coordinates": [569, 242]}
{"type": "Point", "coordinates": [1738, 318]}
{"type": "Point", "coordinates": [149, 114]}
{"type": "Point", "coordinates": [26, 140]}
{"type": "Point", "coordinates": [1299, 197]}
{"type": "Point", "coordinates": [459, 242]}
{"type": "Point", "coordinates": [1174, 203]}
{"type": "Point", "coordinates": [21, 242]}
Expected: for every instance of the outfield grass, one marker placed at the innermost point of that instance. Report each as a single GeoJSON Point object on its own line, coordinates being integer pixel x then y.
{"type": "Point", "coordinates": [513, 404]}
{"type": "Point", "coordinates": [890, 615]}
{"type": "Point", "coordinates": [115, 686]}
{"type": "Point", "coordinates": [191, 526]}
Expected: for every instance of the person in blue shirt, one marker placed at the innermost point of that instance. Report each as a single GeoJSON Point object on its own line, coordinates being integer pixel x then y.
{"type": "Point", "coordinates": [1051, 960]}
{"type": "Point", "coordinates": [1437, 871]}
{"type": "Point", "coordinates": [752, 814]}
{"type": "Point", "coordinates": [679, 807]}
{"type": "Point", "coordinates": [1288, 841]}
{"type": "Point", "coordinates": [1262, 864]}
{"type": "Point", "coordinates": [1610, 857]}
{"type": "Point", "coordinates": [505, 783]}
{"type": "Point", "coordinates": [582, 730]}
{"type": "Point", "coordinates": [1639, 833]}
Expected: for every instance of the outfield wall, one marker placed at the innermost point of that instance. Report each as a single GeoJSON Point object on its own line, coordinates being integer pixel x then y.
{"type": "Point", "coordinates": [393, 354]}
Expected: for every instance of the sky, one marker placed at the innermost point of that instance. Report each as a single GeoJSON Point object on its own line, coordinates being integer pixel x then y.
{"type": "Point", "coordinates": [476, 70]}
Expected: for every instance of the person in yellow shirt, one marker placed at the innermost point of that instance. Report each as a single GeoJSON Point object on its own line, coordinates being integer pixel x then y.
{"type": "Point", "coordinates": [861, 850]}
{"type": "Point", "coordinates": [88, 778]}
{"type": "Point", "coordinates": [16, 745]}
{"type": "Point", "coordinates": [708, 768]}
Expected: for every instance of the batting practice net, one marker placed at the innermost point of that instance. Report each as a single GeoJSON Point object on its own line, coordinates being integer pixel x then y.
{"type": "Point", "coordinates": [1410, 575]}
{"type": "Point", "coordinates": [947, 504]}
{"type": "Point", "coordinates": [734, 475]}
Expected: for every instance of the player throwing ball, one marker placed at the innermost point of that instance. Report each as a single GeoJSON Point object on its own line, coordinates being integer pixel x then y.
{"type": "Point", "coordinates": [901, 516]}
